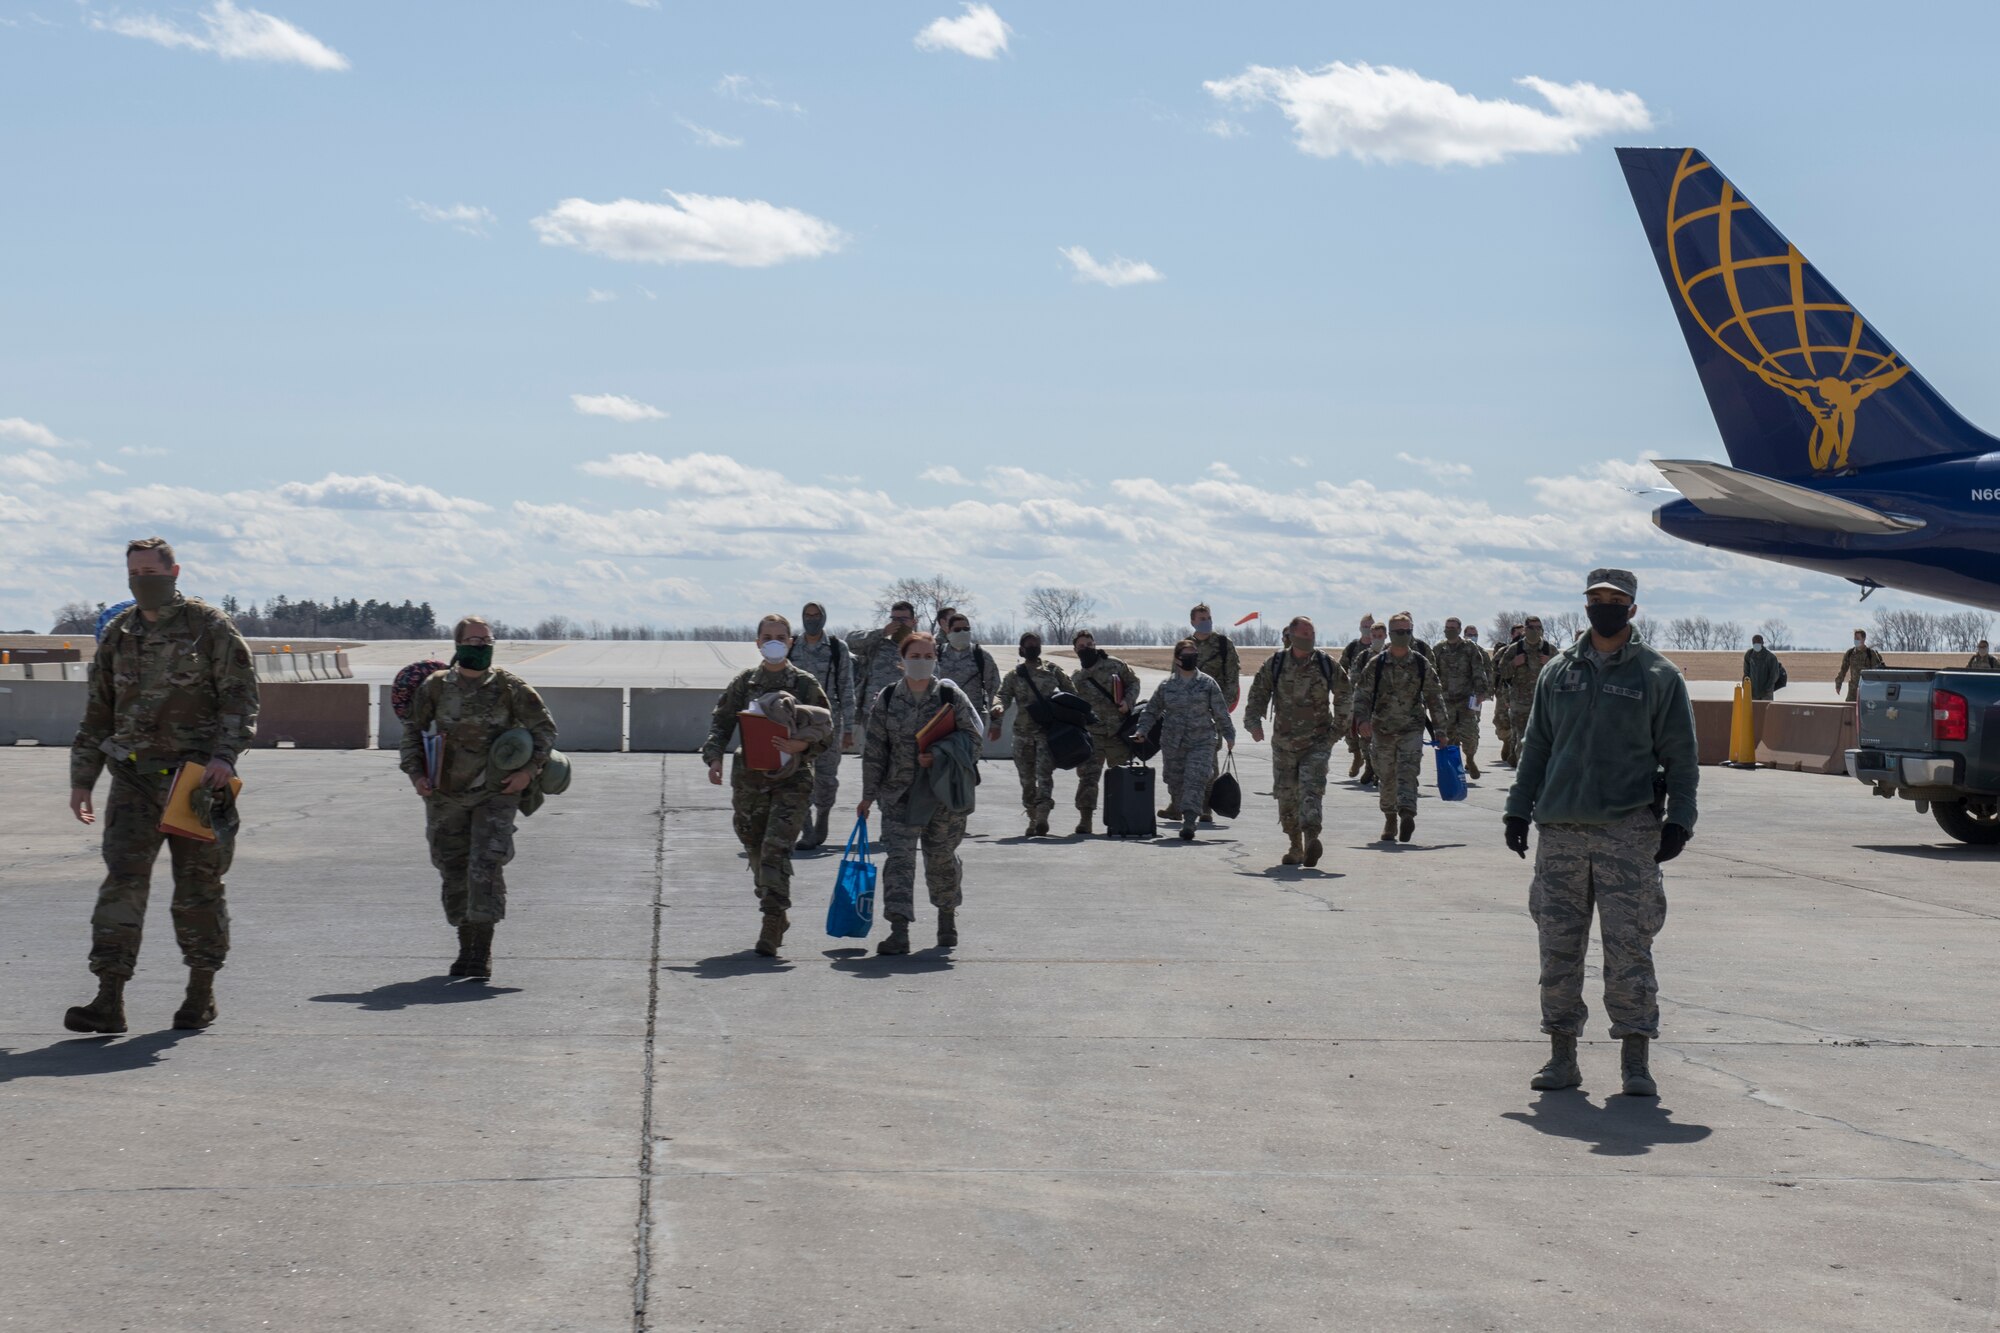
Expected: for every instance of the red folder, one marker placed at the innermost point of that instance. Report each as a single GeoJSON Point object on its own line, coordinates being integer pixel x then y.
{"type": "Point", "coordinates": [942, 724]}
{"type": "Point", "coordinates": [760, 735]}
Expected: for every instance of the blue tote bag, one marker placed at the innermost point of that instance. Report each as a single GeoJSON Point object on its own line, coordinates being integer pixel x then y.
{"type": "Point", "coordinates": [1451, 772]}
{"type": "Point", "coordinates": [851, 914]}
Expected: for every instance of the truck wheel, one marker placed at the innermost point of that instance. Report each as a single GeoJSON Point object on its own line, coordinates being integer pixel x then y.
{"type": "Point", "coordinates": [1979, 829]}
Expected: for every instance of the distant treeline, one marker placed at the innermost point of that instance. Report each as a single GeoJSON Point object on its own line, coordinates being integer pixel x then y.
{"type": "Point", "coordinates": [282, 618]}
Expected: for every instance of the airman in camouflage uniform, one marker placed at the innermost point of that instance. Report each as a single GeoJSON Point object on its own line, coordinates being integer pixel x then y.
{"type": "Point", "coordinates": [829, 662]}
{"type": "Point", "coordinates": [1111, 688]}
{"type": "Point", "coordinates": [967, 665]}
{"type": "Point", "coordinates": [1306, 690]}
{"type": "Point", "coordinates": [1032, 759]}
{"type": "Point", "coordinates": [1983, 659]}
{"type": "Point", "coordinates": [891, 768]}
{"type": "Point", "coordinates": [768, 808]}
{"type": "Point", "coordinates": [171, 683]}
{"type": "Point", "coordinates": [877, 663]}
{"type": "Point", "coordinates": [1520, 663]}
{"type": "Point", "coordinates": [1194, 721]}
{"type": "Point", "coordinates": [1503, 707]}
{"type": "Point", "coordinates": [1394, 694]}
{"type": "Point", "coordinates": [1350, 657]}
{"type": "Point", "coordinates": [1218, 660]}
{"type": "Point", "coordinates": [469, 816]}
{"type": "Point", "coordinates": [1853, 662]}
{"type": "Point", "coordinates": [1465, 676]}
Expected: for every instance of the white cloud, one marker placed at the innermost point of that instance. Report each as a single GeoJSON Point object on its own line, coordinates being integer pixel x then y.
{"type": "Point", "coordinates": [1118, 273]}
{"type": "Point", "coordinates": [334, 491]}
{"type": "Point", "coordinates": [693, 229]}
{"type": "Point", "coordinates": [1225, 129]}
{"type": "Point", "coordinates": [743, 88]}
{"type": "Point", "coordinates": [944, 476]}
{"type": "Point", "coordinates": [39, 467]}
{"type": "Point", "coordinates": [707, 137]}
{"type": "Point", "coordinates": [616, 406]}
{"type": "Point", "coordinates": [1299, 460]}
{"type": "Point", "coordinates": [1438, 468]}
{"type": "Point", "coordinates": [142, 451]}
{"type": "Point", "coordinates": [232, 34]}
{"type": "Point", "coordinates": [1020, 484]}
{"type": "Point", "coordinates": [1381, 113]}
{"type": "Point", "coordinates": [20, 430]}
{"type": "Point", "coordinates": [471, 219]}
{"type": "Point", "coordinates": [1224, 472]}
{"type": "Point", "coordinates": [597, 296]}
{"type": "Point", "coordinates": [978, 32]}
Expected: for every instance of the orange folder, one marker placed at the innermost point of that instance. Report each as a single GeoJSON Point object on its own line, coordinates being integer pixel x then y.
{"type": "Point", "coordinates": [942, 724]}
{"type": "Point", "coordinates": [180, 819]}
{"type": "Point", "coordinates": [760, 735]}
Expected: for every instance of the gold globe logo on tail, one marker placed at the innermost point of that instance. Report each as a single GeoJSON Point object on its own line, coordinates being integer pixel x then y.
{"type": "Point", "coordinates": [1810, 350]}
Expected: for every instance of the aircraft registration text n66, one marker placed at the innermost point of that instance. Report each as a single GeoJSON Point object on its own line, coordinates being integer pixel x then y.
{"type": "Point", "coordinates": [1986, 492]}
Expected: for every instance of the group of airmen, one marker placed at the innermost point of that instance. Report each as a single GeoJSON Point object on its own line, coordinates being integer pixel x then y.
{"type": "Point", "coordinates": [1600, 732]}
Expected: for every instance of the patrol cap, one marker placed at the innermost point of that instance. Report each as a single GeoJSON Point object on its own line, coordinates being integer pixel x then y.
{"type": "Point", "coordinates": [512, 749]}
{"type": "Point", "coordinates": [556, 774]}
{"type": "Point", "coordinates": [1618, 580]}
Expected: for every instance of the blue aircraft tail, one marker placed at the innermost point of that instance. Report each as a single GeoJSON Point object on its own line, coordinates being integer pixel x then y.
{"type": "Point", "coordinates": [1801, 385]}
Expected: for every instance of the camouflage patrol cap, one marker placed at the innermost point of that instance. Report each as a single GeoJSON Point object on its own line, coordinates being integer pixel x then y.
{"type": "Point", "coordinates": [1618, 580]}
{"type": "Point", "coordinates": [512, 749]}
{"type": "Point", "coordinates": [555, 774]}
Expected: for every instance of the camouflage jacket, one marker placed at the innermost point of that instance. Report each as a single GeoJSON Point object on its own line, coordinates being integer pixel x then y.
{"type": "Point", "coordinates": [1305, 698]}
{"type": "Point", "coordinates": [1983, 662]}
{"type": "Point", "coordinates": [831, 664]}
{"type": "Point", "coordinates": [1520, 663]}
{"type": "Point", "coordinates": [1351, 654]}
{"type": "Point", "coordinates": [472, 712]}
{"type": "Point", "coordinates": [1191, 710]}
{"type": "Point", "coordinates": [889, 754]}
{"type": "Point", "coordinates": [973, 671]}
{"type": "Point", "coordinates": [736, 697]}
{"type": "Point", "coordinates": [1015, 690]}
{"type": "Point", "coordinates": [878, 664]}
{"type": "Point", "coordinates": [181, 687]}
{"type": "Point", "coordinates": [1856, 660]}
{"type": "Point", "coordinates": [1398, 693]}
{"type": "Point", "coordinates": [1464, 672]}
{"type": "Point", "coordinates": [1215, 657]}
{"type": "Point", "coordinates": [1094, 686]}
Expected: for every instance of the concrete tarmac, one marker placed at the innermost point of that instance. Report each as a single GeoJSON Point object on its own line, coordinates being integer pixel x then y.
{"type": "Point", "coordinates": [1159, 1085]}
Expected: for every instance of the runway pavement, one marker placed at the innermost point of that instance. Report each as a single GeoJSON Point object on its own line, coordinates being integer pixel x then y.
{"type": "Point", "coordinates": [1158, 1086]}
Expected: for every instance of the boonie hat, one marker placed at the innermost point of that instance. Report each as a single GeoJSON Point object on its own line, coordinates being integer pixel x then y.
{"type": "Point", "coordinates": [555, 774]}
{"type": "Point", "coordinates": [1618, 580]}
{"type": "Point", "coordinates": [512, 749]}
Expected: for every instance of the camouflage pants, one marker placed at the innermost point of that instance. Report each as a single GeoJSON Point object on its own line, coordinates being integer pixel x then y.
{"type": "Point", "coordinates": [1190, 767]}
{"type": "Point", "coordinates": [1609, 867]}
{"type": "Point", "coordinates": [767, 822]}
{"type": "Point", "coordinates": [826, 775]}
{"type": "Point", "coordinates": [1517, 724]}
{"type": "Point", "coordinates": [1298, 780]}
{"type": "Point", "coordinates": [944, 873]}
{"type": "Point", "coordinates": [472, 840]}
{"type": "Point", "coordinates": [1463, 725]}
{"type": "Point", "coordinates": [132, 841]}
{"type": "Point", "coordinates": [1037, 769]}
{"type": "Point", "coordinates": [1107, 748]}
{"type": "Point", "coordinates": [1503, 727]}
{"type": "Point", "coordinates": [1398, 757]}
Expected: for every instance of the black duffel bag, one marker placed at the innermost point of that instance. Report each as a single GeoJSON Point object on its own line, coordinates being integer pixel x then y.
{"type": "Point", "coordinates": [1225, 794]}
{"type": "Point", "coordinates": [1069, 746]}
{"type": "Point", "coordinates": [1143, 740]}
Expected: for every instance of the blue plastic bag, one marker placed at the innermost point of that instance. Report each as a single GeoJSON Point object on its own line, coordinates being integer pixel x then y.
{"type": "Point", "coordinates": [851, 914]}
{"type": "Point", "coordinates": [1451, 772]}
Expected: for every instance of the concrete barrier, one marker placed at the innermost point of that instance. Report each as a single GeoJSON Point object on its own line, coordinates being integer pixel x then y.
{"type": "Point", "coordinates": [588, 717]}
{"type": "Point", "coordinates": [267, 666]}
{"type": "Point", "coordinates": [388, 727]}
{"type": "Point", "coordinates": [13, 671]}
{"type": "Point", "coordinates": [1711, 727]}
{"type": "Point", "coordinates": [310, 668]}
{"type": "Point", "coordinates": [43, 711]}
{"type": "Point", "coordinates": [290, 669]}
{"type": "Point", "coordinates": [341, 668]}
{"type": "Point", "coordinates": [1807, 738]}
{"type": "Point", "coordinates": [668, 721]}
{"type": "Point", "coordinates": [313, 715]}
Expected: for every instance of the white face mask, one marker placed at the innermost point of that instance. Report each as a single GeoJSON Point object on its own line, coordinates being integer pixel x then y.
{"type": "Point", "coordinates": [1858, 641]}
{"type": "Point", "coordinates": [920, 669]}
{"type": "Point", "coordinates": [960, 639]}
{"type": "Point", "coordinates": [774, 650]}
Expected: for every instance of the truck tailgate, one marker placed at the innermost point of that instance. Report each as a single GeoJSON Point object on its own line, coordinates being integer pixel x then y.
{"type": "Point", "coordinates": [1896, 711]}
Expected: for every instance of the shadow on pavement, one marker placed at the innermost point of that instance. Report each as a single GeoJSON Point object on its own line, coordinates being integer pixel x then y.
{"type": "Point", "coordinates": [1285, 874]}
{"type": "Point", "coordinates": [743, 963]}
{"type": "Point", "coordinates": [1951, 851]}
{"type": "Point", "coordinates": [1621, 1127]}
{"type": "Point", "coordinates": [89, 1055]}
{"type": "Point", "coordinates": [873, 967]}
{"type": "Point", "coordinates": [426, 990]}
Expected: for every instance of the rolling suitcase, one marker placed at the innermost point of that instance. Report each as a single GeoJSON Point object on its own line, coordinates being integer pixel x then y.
{"type": "Point", "coordinates": [1128, 801]}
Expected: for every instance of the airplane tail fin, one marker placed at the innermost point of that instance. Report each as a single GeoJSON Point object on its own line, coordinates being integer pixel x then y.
{"type": "Point", "coordinates": [1800, 383]}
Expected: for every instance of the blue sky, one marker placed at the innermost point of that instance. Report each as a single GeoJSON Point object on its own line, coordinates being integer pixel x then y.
{"type": "Point", "coordinates": [299, 287]}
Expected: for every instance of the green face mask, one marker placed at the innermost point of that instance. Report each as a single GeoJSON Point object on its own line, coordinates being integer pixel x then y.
{"type": "Point", "coordinates": [474, 656]}
{"type": "Point", "coordinates": [151, 591]}
{"type": "Point", "coordinates": [1400, 637]}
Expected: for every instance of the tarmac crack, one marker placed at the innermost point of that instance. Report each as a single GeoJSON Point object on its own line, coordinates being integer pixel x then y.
{"type": "Point", "coordinates": [642, 1236]}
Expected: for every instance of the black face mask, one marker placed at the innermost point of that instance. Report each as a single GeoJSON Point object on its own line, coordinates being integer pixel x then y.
{"type": "Point", "coordinates": [474, 656]}
{"type": "Point", "coordinates": [153, 592]}
{"type": "Point", "coordinates": [815, 625]}
{"type": "Point", "coordinates": [1607, 618]}
{"type": "Point", "coordinates": [1088, 656]}
{"type": "Point", "coordinates": [1187, 661]}
{"type": "Point", "coordinates": [1031, 652]}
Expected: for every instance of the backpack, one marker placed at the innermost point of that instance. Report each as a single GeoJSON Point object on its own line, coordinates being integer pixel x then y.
{"type": "Point", "coordinates": [1324, 663]}
{"type": "Point", "coordinates": [403, 692]}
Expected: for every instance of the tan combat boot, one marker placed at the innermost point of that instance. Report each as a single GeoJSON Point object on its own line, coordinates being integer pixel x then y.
{"type": "Point", "coordinates": [1471, 768]}
{"type": "Point", "coordinates": [106, 1013]}
{"type": "Point", "coordinates": [1354, 767]}
{"type": "Point", "coordinates": [1313, 849]}
{"type": "Point", "coordinates": [197, 1010]}
{"type": "Point", "coordinates": [898, 939]}
{"type": "Point", "coordinates": [1296, 852]}
{"type": "Point", "coordinates": [947, 927]}
{"type": "Point", "coordinates": [1409, 826]}
{"type": "Point", "coordinates": [1561, 1071]}
{"type": "Point", "coordinates": [1083, 829]}
{"type": "Point", "coordinates": [773, 933]}
{"type": "Point", "coordinates": [1389, 827]}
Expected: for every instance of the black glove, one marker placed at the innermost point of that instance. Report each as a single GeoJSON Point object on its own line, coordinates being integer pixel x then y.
{"type": "Point", "coordinates": [1672, 838]}
{"type": "Point", "coordinates": [1517, 836]}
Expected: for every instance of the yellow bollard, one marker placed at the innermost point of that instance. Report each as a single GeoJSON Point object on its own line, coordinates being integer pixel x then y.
{"type": "Point", "coordinates": [5, 656]}
{"type": "Point", "coordinates": [1742, 729]}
